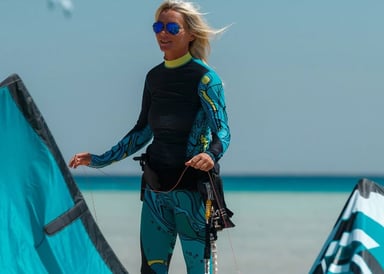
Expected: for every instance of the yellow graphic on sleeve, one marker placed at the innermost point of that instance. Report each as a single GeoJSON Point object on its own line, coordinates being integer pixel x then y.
{"type": "Point", "coordinates": [209, 100]}
{"type": "Point", "coordinates": [205, 80]}
{"type": "Point", "coordinates": [204, 141]}
{"type": "Point", "coordinates": [156, 262]}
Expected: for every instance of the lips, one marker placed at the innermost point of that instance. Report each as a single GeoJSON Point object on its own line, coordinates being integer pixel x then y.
{"type": "Point", "coordinates": [164, 42]}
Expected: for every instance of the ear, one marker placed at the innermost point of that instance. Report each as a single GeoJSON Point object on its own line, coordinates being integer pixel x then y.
{"type": "Point", "coordinates": [192, 38]}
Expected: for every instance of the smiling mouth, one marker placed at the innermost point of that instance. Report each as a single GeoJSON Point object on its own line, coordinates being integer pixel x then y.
{"type": "Point", "coordinates": [163, 42]}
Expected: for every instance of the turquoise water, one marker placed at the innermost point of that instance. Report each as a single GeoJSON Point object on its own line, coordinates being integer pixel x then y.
{"type": "Point", "coordinates": [284, 217]}
{"type": "Point", "coordinates": [241, 183]}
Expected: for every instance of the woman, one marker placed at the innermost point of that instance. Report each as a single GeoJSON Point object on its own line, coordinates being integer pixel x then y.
{"type": "Point", "coordinates": [183, 113]}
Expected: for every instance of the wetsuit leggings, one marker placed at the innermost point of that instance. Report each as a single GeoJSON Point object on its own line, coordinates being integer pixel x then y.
{"type": "Point", "coordinates": [163, 217]}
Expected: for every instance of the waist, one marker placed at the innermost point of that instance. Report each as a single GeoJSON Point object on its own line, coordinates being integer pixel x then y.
{"type": "Point", "coordinates": [179, 178]}
{"type": "Point", "coordinates": [167, 156]}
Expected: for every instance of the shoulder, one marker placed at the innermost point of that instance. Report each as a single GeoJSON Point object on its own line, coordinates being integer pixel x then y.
{"type": "Point", "coordinates": [209, 77]}
{"type": "Point", "coordinates": [155, 70]}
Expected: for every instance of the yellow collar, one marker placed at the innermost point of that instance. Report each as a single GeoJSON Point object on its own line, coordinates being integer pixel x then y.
{"type": "Point", "coordinates": [178, 62]}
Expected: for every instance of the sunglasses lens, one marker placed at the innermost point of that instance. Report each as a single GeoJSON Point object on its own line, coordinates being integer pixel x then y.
{"type": "Point", "coordinates": [158, 27]}
{"type": "Point", "coordinates": [173, 28]}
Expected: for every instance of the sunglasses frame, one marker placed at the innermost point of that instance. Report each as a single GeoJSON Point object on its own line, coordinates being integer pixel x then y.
{"type": "Point", "coordinates": [171, 27]}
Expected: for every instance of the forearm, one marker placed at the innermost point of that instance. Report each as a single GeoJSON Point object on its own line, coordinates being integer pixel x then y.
{"type": "Point", "coordinates": [131, 143]}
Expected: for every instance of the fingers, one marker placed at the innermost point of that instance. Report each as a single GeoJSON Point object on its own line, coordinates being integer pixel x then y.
{"type": "Point", "coordinates": [80, 159]}
{"type": "Point", "coordinates": [72, 162]}
{"type": "Point", "coordinates": [201, 161]}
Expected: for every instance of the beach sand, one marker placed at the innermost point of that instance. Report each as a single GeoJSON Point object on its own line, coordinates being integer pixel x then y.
{"type": "Point", "coordinates": [276, 232]}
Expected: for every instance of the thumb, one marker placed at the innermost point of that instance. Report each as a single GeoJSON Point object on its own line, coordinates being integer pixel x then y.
{"type": "Point", "coordinates": [189, 162]}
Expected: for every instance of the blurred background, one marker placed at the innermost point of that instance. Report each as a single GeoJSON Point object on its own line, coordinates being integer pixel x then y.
{"type": "Point", "coordinates": [303, 79]}
{"type": "Point", "coordinates": [304, 90]}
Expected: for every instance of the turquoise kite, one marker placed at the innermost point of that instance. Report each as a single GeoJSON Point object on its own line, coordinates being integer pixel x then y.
{"type": "Point", "coordinates": [356, 243]}
{"type": "Point", "coordinates": [46, 226]}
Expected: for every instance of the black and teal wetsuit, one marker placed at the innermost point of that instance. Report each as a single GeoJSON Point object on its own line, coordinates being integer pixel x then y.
{"type": "Point", "coordinates": [184, 113]}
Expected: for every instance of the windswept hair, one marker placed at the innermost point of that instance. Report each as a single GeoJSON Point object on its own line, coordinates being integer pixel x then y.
{"type": "Point", "coordinates": [196, 24]}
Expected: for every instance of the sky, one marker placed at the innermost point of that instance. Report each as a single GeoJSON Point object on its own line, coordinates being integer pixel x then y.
{"type": "Point", "coordinates": [303, 79]}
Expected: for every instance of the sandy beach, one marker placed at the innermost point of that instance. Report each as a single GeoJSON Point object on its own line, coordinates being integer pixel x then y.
{"type": "Point", "coordinates": [276, 232]}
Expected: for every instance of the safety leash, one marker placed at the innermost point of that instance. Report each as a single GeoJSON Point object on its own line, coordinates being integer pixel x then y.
{"type": "Point", "coordinates": [208, 225]}
{"type": "Point", "coordinates": [211, 265]}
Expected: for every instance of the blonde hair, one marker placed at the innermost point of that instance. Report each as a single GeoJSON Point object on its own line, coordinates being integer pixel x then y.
{"type": "Point", "coordinates": [194, 19]}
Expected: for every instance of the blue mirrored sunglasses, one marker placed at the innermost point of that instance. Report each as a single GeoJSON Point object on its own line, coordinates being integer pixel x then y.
{"type": "Point", "coordinates": [171, 27]}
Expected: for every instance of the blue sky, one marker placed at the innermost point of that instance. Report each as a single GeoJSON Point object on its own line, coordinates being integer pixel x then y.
{"type": "Point", "coordinates": [303, 79]}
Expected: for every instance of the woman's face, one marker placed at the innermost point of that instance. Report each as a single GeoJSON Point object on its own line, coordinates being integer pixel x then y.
{"type": "Point", "coordinates": [173, 45]}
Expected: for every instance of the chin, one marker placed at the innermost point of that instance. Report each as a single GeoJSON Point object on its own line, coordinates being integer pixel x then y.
{"type": "Point", "coordinates": [165, 48]}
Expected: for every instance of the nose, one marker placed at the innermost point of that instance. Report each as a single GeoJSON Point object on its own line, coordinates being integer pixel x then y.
{"type": "Point", "coordinates": [163, 33]}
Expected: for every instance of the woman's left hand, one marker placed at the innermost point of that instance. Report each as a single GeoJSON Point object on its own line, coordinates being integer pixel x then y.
{"type": "Point", "coordinates": [201, 161]}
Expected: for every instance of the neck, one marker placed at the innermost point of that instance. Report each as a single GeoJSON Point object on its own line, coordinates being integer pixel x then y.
{"type": "Point", "coordinates": [179, 61]}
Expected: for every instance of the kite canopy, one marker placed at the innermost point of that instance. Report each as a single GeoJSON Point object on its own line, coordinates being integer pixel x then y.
{"type": "Point", "coordinates": [356, 243]}
{"type": "Point", "coordinates": [46, 226]}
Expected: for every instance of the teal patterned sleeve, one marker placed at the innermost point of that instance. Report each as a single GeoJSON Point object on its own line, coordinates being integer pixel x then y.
{"type": "Point", "coordinates": [213, 101]}
{"type": "Point", "coordinates": [131, 143]}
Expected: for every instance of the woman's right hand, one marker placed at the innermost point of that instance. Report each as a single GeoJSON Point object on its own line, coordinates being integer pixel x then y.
{"type": "Point", "coordinates": [80, 159]}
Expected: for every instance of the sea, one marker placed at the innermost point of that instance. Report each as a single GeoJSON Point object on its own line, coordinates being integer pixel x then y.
{"type": "Point", "coordinates": [282, 222]}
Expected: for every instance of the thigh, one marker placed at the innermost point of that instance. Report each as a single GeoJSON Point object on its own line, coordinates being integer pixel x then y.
{"type": "Point", "coordinates": [157, 235]}
{"type": "Point", "coordinates": [190, 223]}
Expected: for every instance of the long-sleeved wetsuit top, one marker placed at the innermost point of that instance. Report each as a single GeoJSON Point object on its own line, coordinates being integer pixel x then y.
{"type": "Point", "coordinates": [183, 109]}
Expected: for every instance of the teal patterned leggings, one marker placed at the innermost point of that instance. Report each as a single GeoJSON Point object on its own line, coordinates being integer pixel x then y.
{"type": "Point", "coordinates": [163, 217]}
